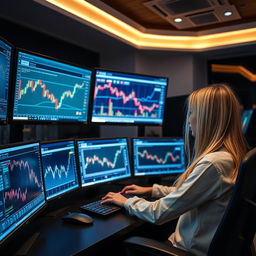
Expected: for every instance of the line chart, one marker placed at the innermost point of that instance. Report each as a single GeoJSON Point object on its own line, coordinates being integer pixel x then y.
{"type": "Point", "coordinates": [105, 159]}
{"type": "Point", "coordinates": [59, 169]}
{"type": "Point", "coordinates": [16, 194]}
{"type": "Point", "coordinates": [159, 160]}
{"type": "Point", "coordinates": [159, 155]}
{"type": "Point", "coordinates": [25, 165]}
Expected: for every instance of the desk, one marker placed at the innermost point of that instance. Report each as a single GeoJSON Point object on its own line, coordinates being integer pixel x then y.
{"type": "Point", "coordinates": [60, 238]}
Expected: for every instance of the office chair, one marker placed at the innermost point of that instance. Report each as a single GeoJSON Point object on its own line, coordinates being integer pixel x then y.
{"type": "Point", "coordinates": [235, 233]}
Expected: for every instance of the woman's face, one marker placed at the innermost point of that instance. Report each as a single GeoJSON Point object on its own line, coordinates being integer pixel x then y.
{"type": "Point", "coordinates": [192, 122]}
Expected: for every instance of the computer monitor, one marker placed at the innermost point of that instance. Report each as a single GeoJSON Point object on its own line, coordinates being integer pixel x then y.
{"type": "Point", "coordinates": [158, 156]}
{"type": "Point", "coordinates": [21, 186]}
{"type": "Point", "coordinates": [246, 118]}
{"type": "Point", "coordinates": [128, 98]}
{"type": "Point", "coordinates": [5, 66]}
{"type": "Point", "coordinates": [103, 160]}
{"type": "Point", "coordinates": [49, 90]}
{"type": "Point", "coordinates": [59, 168]}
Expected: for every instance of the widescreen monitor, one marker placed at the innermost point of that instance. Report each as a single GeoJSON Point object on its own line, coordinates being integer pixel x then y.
{"type": "Point", "coordinates": [59, 168]}
{"type": "Point", "coordinates": [128, 98]}
{"type": "Point", "coordinates": [158, 156]}
{"type": "Point", "coordinates": [246, 118]}
{"type": "Point", "coordinates": [5, 66]}
{"type": "Point", "coordinates": [103, 160]}
{"type": "Point", "coordinates": [21, 186]}
{"type": "Point", "coordinates": [50, 90]}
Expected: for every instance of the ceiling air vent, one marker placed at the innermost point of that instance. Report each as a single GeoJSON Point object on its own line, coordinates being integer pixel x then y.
{"type": "Point", "coordinates": [191, 14]}
{"type": "Point", "coordinates": [203, 18]}
{"type": "Point", "coordinates": [182, 6]}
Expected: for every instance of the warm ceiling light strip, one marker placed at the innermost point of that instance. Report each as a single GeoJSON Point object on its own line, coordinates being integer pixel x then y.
{"type": "Point", "coordinates": [234, 69]}
{"type": "Point", "coordinates": [114, 26]}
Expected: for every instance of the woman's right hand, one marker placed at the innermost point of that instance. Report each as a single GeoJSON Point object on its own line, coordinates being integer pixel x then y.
{"type": "Point", "coordinates": [137, 190]}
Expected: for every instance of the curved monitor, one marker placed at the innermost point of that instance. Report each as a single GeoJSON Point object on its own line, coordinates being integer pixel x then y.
{"type": "Point", "coordinates": [50, 90]}
{"type": "Point", "coordinates": [103, 160]}
{"type": "Point", "coordinates": [21, 186]}
{"type": "Point", "coordinates": [5, 66]}
{"type": "Point", "coordinates": [128, 98]}
{"type": "Point", "coordinates": [59, 168]}
{"type": "Point", "coordinates": [158, 156]}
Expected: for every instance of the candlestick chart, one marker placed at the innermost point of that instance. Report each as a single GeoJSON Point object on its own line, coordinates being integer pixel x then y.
{"type": "Point", "coordinates": [51, 91]}
{"type": "Point", "coordinates": [128, 98]}
{"type": "Point", "coordinates": [159, 155]}
{"type": "Point", "coordinates": [118, 100]}
{"type": "Point", "coordinates": [106, 159]}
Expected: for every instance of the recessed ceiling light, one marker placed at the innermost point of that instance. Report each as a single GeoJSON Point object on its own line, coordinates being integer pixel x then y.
{"type": "Point", "coordinates": [228, 13]}
{"type": "Point", "coordinates": [178, 20]}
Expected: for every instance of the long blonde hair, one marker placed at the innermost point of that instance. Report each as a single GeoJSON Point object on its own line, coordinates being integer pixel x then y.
{"type": "Point", "coordinates": [218, 125]}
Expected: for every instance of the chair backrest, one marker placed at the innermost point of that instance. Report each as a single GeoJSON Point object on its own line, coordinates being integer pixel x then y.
{"type": "Point", "coordinates": [235, 233]}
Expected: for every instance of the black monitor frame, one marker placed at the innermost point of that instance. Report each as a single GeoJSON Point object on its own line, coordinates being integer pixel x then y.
{"type": "Point", "coordinates": [9, 98]}
{"type": "Point", "coordinates": [29, 219]}
{"type": "Point", "coordinates": [123, 123]}
{"type": "Point", "coordinates": [105, 182]}
{"type": "Point", "coordinates": [14, 74]}
{"type": "Point", "coordinates": [152, 175]}
{"type": "Point", "coordinates": [72, 191]}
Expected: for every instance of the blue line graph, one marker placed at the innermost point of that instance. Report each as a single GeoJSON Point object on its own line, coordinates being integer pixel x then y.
{"type": "Point", "coordinates": [59, 168]}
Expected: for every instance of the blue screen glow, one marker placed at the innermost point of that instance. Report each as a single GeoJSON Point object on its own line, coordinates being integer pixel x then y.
{"type": "Point", "coordinates": [49, 90]}
{"type": "Point", "coordinates": [21, 186]}
{"type": "Point", "coordinates": [128, 98]}
{"type": "Point", "coordinates": [155, 156]}
{"type": "Point", "coordinates": [59, 168]}
{"type": "Point", "coordinates": [103, 160]}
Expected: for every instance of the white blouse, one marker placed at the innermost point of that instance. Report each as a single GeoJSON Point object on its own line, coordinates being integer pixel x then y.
{"type": "Point", "coordinates": [199, 203]}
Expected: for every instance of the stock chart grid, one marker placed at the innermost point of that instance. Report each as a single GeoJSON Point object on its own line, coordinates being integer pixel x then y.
{"type": "Point", "coordinates": [50, 90]}
{"type": "Point", "coordinates": [158, 156]}
{"type": "Point", "coordinates": [103, 160]}
{"type": "Point", "coordinates": [128, 98]}
{"type": "Point", "coordinates": [59, 168]}
{"type": "Point", "coordinates": [21, 186]}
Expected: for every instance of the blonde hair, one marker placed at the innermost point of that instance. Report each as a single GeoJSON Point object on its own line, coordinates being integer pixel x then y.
{"type": "Point", "coordinates": [218, 125]}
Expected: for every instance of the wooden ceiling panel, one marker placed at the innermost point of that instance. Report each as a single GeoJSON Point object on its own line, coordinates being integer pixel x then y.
{"type": "Point", "coordinates": [138, 12]}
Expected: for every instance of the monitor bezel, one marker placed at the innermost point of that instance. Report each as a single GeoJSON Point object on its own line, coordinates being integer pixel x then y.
{"type": "Point", "coordinates": [69, 192]}
{"type": "Point", "coordinates": [10, 83]}
{"type": "Point", "coordinates": [105, 182]}
{"type": "Point", "coordinates": [154, 175]}
{"type": "Point", "coordinates": [123, 123]}
{"type": "Point", "coordinates": [14, 74]}
{"type": "Point", "coordinates": [29, 219]}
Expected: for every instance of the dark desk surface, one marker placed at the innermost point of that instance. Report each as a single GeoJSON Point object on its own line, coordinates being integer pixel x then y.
{"type": "Point", "coordinates": [61, 238]}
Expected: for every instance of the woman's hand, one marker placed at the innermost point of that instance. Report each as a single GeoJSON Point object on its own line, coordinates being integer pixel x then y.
{"type": "Point", "coordinates": [136, 190]}
{"type": "Point", "coordinates": [115, 198]}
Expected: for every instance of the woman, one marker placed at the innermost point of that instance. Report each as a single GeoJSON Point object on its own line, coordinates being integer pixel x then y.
{"type": "Point", "coordinates": [201, 194]}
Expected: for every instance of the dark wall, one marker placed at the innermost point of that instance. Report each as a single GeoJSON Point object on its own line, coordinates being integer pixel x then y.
{"type": "Point", "coordinates": [26, 38]}
{"type": "Point", "coordinates": [244, 88]}
{"type": "Point", "coordinates": [174, 116]}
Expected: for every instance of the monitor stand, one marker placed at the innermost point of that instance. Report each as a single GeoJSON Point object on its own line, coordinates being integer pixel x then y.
{"type": "Point", "coordinates": [26, 247]}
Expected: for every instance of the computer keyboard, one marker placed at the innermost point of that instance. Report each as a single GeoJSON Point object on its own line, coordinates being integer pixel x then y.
{"type": "Point", "coordinates": [102, 209]}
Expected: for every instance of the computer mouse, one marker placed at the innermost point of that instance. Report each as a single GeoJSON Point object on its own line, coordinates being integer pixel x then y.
{"type": "Point", "coordinates": [78, 217]}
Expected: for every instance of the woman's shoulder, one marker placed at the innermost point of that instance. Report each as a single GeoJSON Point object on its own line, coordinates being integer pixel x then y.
{"type": "Point", "coordinates": [220, 159]}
